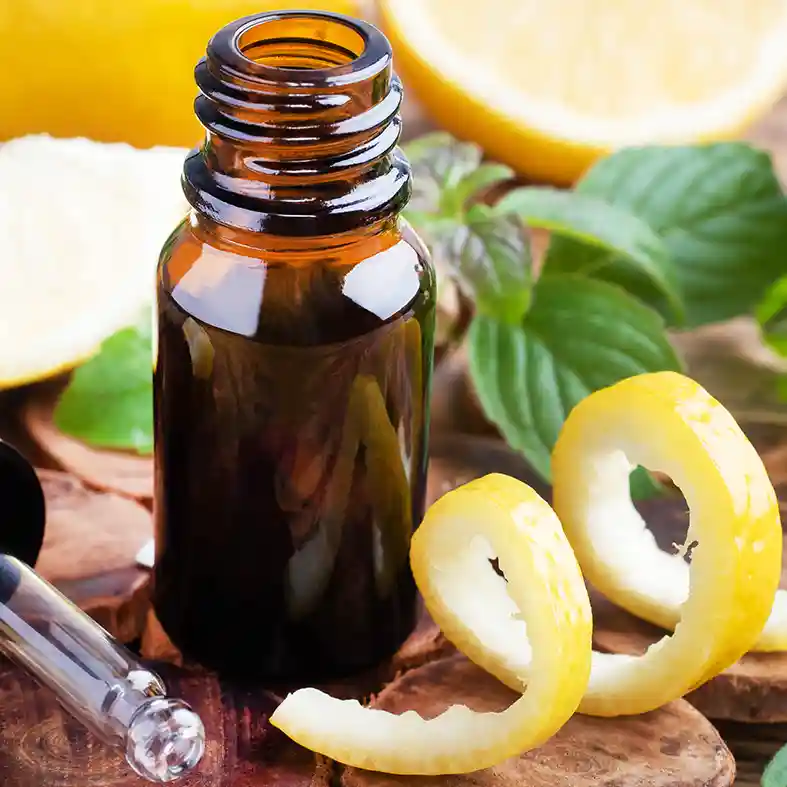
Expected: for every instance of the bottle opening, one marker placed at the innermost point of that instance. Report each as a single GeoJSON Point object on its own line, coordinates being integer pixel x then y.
{"type": "Point", "coordinates": [305, 42]}
{"type": "Point", "coordinates": [301, 110]}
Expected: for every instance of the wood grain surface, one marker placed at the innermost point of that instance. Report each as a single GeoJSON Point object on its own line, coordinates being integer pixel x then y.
{"type": "Point", "coordinates": [675, 745]}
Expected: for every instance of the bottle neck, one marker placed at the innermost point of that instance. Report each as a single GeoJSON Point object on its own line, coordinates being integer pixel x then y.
{"type": "Point", "coordinates": [301, 111]}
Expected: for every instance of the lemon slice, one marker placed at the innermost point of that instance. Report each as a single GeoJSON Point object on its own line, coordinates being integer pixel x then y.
{"type": "Point", "coordinates": [717, 607]}
{"type": "Point", "coordinates": [450, 555]}
{"type": "Point", "coordinates": [81, 227]}
{"type": "Point", "coordinates": [548, 87]}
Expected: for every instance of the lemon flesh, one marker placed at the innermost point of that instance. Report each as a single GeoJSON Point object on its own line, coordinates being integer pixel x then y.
{"type": "Point", "coordinates": [548, 87]}
{"type": "Point", "coordinates": [545, 593]}
{"type": "Point", "coordinates": [81, 228]}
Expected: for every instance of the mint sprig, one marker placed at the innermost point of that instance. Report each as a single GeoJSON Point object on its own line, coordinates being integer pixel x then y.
{"type": "Point", "coordinates": [650, 237]}
{"type": "Point", "coordinates": [578, 336]}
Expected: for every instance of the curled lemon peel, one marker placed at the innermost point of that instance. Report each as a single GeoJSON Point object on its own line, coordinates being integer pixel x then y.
{"type": "Point", "coordinates": [450, 554]}
{"type": "Point", "coordinates": [715, 455]}
{"type": "Point", "coordinates": [668, 422]}
{"type": "Point", "coordinates": [719, 604]}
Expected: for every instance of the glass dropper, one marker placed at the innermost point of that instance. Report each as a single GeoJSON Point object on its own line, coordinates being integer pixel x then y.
{"type": "Point", "coordinates": [96, 679]}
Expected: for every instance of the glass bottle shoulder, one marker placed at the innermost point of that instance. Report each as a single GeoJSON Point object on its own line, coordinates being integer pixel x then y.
{"type": "Point", "coordinates": [297, 291]}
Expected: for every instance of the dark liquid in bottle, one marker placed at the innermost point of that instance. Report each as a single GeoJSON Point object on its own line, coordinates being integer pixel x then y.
{"type": "Point", "coordinates": [291, 458]}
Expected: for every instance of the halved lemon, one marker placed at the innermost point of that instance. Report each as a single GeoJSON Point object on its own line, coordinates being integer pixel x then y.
{"type": "Point", "coordinates": [548, 87]}
{"type": "Point", "coordinates": [81, 228]}
{"type": "Point", "coordinates": [545, 612]}
{"type": "Point", "coordinates": [141, 87]}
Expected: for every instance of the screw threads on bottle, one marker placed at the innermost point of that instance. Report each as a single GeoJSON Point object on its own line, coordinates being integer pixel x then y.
{"type": "Point", "coordinates": [301, 111]}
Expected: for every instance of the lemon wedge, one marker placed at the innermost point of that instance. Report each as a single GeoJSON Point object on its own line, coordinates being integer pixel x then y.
{"type": "Point", "coordinates": [542, 609]}
{"type": "Point", "coordinates": [717, 606]}
{"type": "Point", "coordinates": [81, 228]}
{"type": "Point", "coordinates": [549, 87]}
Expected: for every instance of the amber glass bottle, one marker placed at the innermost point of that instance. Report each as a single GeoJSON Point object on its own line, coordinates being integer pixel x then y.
{"type": "Point", "coordinates": [294, 360]}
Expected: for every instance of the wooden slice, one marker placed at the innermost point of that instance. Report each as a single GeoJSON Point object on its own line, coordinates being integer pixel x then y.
{"type": "Point", "coordinates": [673, 746]}
{"type": "Point", "coordinates": [753, 690]}
{"type": "Point", "coordinates": [113, 471]}
{"type": "Point", "coordinates": [89, 552]}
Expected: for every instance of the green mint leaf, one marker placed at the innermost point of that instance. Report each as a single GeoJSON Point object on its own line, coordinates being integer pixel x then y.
{"type": "Point", "coordinates": [439, 164]}
{"type": "Point", "coordinates": [719, 210]}
{"type": "Point", "coordinates": [771, 313]}
{"type": "Point", "coordinates": [578, 336]}
{"type": "Point", "coordinates": [610, 231]}
{"type": "Point", "coordinates": [109, 401]}
{"type": "Point", "coordinates": [490, 259]}
{"type": "Point", "coordinates": [775, 773]}
{"type": "Point", "coordinates": [471, 185]}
